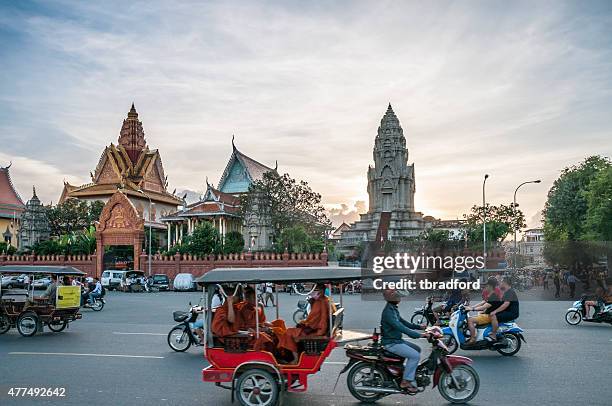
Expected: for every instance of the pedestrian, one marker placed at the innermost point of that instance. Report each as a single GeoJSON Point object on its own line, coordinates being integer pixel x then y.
{"type": "Point", "coordinates": [545, 278]}
{"type": "Point", "coordinates": [268, 294]}
{"type": "Point", "coordinates": [557, 282]}
{"type": "Point", "coordinates": [26, 282]}
{"type": "Point", "coordinates": [571, 282]}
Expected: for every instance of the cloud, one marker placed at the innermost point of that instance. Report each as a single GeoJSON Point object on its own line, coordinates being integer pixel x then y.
{"type": "Point", "coordinates": [518, 91]}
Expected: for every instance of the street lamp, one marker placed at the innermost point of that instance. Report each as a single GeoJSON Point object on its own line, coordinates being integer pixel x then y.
{"type": "Point", "coordinates": [150, 228]}
{"type": "Point", "coordinates": [514, 214]}
{"type": "Point", "coordinates": [484, 221]}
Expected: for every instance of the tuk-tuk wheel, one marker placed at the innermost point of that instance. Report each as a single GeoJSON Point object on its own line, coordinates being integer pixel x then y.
{"type": "Point", "coordinates": [257, 387]}
{"type": "Point", "coordinates": [57, 327]}
{"type": "Point", "coordinates": [5, 323]}
{"type": "Point", "coordinates": [27, 324]}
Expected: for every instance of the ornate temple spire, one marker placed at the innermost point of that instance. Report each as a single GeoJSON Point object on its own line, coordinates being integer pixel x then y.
{"type": "Point", "coordinates": [389, 120]}
{"type": "Point", "coordinates": [131, 136]}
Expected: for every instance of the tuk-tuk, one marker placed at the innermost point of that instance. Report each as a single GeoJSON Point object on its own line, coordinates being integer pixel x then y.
{"type": "Point", "coordinates": [20, 308]}
{"type": "Point", "coordinates": [252, 374]}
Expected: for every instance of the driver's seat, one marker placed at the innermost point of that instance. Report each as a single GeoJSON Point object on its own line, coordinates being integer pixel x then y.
{"type": "Point", "coordinates": [388, 356]}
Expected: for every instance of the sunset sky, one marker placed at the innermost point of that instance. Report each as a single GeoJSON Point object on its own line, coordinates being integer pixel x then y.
{"type": "Point", "coordinates": [517, 90]}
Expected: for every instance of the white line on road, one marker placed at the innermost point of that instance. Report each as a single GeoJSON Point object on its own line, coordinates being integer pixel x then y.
{"type": "Point", "coordinates": [142, 334]}
{"type": "Point", "coordinates": [74, 354]}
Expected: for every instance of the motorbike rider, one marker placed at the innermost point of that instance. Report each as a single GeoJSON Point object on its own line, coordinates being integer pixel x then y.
{"type": "Point", "coordinates": [486, 307]}
{"type": "Point", "coordinates": [392, 327]}
{"type": "Point", "coordinates": [598, 303]}
{"type": "Point", "coordinates": [96, 292]}
{"type": "Point", "coordinates": [507, 311]}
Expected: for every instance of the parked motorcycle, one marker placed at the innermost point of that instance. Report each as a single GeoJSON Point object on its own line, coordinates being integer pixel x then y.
{"type": "Point", "coordinates": [577, 313]}
{"type": "Point", "coordinates": [456, 335]}
{"type": "Point", "coordinates": [374, 373]}
{"type": "Point", "coordinates": [182, 336]}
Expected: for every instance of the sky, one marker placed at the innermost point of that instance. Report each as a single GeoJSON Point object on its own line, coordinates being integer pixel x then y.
{"type": "Point", "coordinates": [517, 90]}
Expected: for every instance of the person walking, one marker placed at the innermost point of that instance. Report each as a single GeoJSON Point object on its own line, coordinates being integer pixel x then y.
{"type": "Point", "coordinates": [557, 282]}
{"type": "Point", "coordinates": [571, 282]}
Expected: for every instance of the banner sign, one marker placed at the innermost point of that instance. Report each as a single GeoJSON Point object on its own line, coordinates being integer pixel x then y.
{"type": "Point", "coordinates": [68, 297]}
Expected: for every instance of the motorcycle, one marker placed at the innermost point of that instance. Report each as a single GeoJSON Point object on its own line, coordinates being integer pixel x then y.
{"type": "Point", "coordinates": [577, 313]}
{"type": "Point", "coordinates": [425, 314]}
{"type": "Point", "coordinates": [303, 309]}
{"type": "Point", "coordinates": [182, 336]}
{"type": "Point", "coordinates": [456, 335]}
{"type": "Point", "coordinates": [96, 306]}
{"type": "Point", "coordinates": [374, 373]}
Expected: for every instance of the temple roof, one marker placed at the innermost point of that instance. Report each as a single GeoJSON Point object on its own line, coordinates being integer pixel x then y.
{"type": "Point", "coordinates": [10, 201]}
{"type": "Point", "coordinates": [129, 166]}
{"type": "Point", "coordinates": [389, 120]}
{"type": "Point", "coordinates": [240, 171]}
{"type": "Point", "coordinates": [213, 203]}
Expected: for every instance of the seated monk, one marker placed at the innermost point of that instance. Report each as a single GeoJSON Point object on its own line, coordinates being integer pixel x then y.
{"type": "Point", "coordinates": [316, 324]}
{"type": "Point", "coordinates": [224, 323]}
{"type": "Point", "coordinates": [247, 321]}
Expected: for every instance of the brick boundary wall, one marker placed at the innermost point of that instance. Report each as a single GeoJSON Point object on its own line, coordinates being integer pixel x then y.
{"type": "Point", "coordinates": [173, 265]}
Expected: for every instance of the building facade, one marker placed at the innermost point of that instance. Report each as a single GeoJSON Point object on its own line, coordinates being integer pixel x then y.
{"type": "Point", "coordinates": [531, 247]}
{"type": "Point", "coordinates": [221, 206]}
{"type": "Point", "coordinates": [11, 209]}
{"type": "Point", "coordinates": [391, 187]}
{"type": "Point", "coordinates": [135, 170]}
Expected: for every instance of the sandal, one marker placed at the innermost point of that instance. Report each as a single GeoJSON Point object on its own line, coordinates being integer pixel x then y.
{"type": "Point", "coordinates": [408, 387]}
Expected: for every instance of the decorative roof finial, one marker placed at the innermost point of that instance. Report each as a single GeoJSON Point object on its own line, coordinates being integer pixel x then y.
{"type": "Point", "coordinates": [207, 184]}
{"type": "Point", "coordinates": [233, 145]}
{"type": "Point", "coordinates": [9, 165]}
{"type": "Point", "coordinates": [34, 191]}
{"type": "Point", "coordinates": [276, 164]}
{"type": "Point", "coordinates": [132, 113]}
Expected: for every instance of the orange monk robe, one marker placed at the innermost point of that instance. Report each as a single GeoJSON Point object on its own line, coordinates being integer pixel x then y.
{"type": "Point", "coordinates": [316, 324]}
{"type": "Point", "coordinates": [221, 326]}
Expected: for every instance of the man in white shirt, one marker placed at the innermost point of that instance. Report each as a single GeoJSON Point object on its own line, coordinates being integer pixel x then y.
{"type": "Point", "coordinates": [97, 292]}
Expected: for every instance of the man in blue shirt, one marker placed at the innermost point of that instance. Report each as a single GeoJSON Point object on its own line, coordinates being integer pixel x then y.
{"type": "Point", "coordinates": [392, 326]}
{"type": "Point", "coordinates": [96, 292]}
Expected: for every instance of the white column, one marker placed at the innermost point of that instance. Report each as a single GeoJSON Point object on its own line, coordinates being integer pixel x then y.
{"type": "Point", "coordinates": [169, 232]}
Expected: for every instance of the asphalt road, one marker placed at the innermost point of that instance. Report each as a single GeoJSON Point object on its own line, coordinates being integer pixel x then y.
{"type": "Point", "coordinates": [120, 357]}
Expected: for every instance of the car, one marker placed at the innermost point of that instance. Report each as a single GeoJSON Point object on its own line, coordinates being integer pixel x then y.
{"type": "Point", "coordinates": [161, 281]}
{"type": "Point", "coordinates": [13, 281]}
{"type": "Point", "coordinates": [113, 279]}
{"type": "Point", "coordinates": [41, 283]}
{"type": "Point", "coordinates": [184, 282]}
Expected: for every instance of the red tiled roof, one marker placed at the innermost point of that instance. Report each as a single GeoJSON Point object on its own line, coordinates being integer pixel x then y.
{"type": "Point", "coordinates": [10, 201]}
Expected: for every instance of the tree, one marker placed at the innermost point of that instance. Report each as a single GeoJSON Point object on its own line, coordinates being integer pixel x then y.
{"type": "Point", "coordinates": [233, 243]}
{"type": "Point", "coordinates": [283, 203]}
{"type": "Point", "coordinates": [501, 220]}
{"type": "Point", "coordinates": [204, 240]}
{"type": "Point", "coordinates": [7, 249]}
{"type": "Point", "coordinates": [577, 211]}
{"type": "Point", "coordinates": [73, 215]}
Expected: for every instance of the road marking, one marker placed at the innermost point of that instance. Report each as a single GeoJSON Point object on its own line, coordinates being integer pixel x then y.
{"type": "Point", "coordinates": [142, 334]}
{"type": "Point", "coordinates": [85, 355]}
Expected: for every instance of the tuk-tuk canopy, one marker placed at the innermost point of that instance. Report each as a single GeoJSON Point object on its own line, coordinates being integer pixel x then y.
{"type": "Point", "coordinates": [280, 275]}
{"type": "Point", "coordinates": [41, 269]}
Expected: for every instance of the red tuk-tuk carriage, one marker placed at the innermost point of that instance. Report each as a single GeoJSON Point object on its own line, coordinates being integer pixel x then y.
{"type": "Point", "coordinates": [20, 308]}
{"type": "Point", "coordinates": [258, 378]}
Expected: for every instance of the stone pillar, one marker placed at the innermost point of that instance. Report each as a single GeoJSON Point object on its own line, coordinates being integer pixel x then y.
{"type": "Point", "coordinates": [181, 231]}
{"type": "Point", "coordinates": [137, 250]}
{"type": "Point", "coordinates": [99, 257]}
{"type": "Point", "coordinates": [169, 233]}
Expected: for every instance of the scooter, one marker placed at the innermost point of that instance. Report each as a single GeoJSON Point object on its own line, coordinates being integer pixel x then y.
{"type": "Point", "coordinates": [374, 373]}
{"type": "Point", "coordinates": [182, 336]}
{"type": "Point", "coordinates": [456, 335]}
{"type": "Point", "coordinates": [96, 306]}
{"type": "Point", "coordinates": [425, 314]}
{"type": "Point", "coordinates": [577, 313]}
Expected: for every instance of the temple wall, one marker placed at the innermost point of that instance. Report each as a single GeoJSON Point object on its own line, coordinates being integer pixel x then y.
{"type": "Point", "coordinates": [173, 265]}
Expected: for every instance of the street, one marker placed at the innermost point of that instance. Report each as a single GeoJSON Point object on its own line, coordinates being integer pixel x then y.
{"type": "Point", "coordinates": [119, 356]}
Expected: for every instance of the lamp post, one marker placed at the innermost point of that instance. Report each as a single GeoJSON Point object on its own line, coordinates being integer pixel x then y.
{"type": "Point", "coordinates": [484, 221]}
{"type": "Point", "coordinates": [514, 214]}
{"type": "Point", "coordinates": [150, 228]}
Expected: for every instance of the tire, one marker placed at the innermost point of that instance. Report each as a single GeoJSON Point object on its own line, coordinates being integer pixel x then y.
{"type": "Point", "coordinates": [515, 347]}
{"type": "Point", "coordinates": [451, 343]}
{"type": "Point", "coordinates": [257, 387]}
{"type": "Point", "coordinates": [573, 317]}
{"type": "Point", "coordinates": [418, 318]}
{"type": "Point", "coordinates": [27, 324]}
{"type": "Point", "coordinates": [377, 376]}
{"type": "Point", "coordinates": [466, 375]}
{"type": "Point", "coordinates": [176, 334]}
{"type": "Point", "coordinates": [298, 316]}
{"type": "Point", "coordinates": [97, 306]}
{"type": "Point", "coordinates": [56, 328]}
{"type": "Point", "coordinates": [5, 323]}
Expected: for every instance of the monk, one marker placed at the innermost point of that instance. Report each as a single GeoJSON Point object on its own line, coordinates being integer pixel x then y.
{"type": "Point", "coordinates": [224, 323]}
{"type": "Point", "coordinates": [247, 320]}
{"type": "Point", "coordinates": [316, 324]}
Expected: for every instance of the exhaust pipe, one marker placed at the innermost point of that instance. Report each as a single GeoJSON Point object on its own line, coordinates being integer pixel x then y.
{"type": "Point", "coordinates": [378, 390]}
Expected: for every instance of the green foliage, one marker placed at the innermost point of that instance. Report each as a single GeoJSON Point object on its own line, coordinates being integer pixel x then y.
{"type": "Point", "coordinates": [286, 204]}
{"type": "Point", "coordinates": [579, 209]}
{"type": "Point", "coordinates": [7, 249]}
{"type": "Point", "coordinates": [234, 243]}
{"type": "Point", "coordinates": [81, 242]}
{"type": "Point", "coordinates": [296, 239]}
{"type": "Point", "coordinates": [501, 220]}
{"type": "Point", "coordinates": [73, 215]}
{"type": "Point", "coordinates": [204, 240]}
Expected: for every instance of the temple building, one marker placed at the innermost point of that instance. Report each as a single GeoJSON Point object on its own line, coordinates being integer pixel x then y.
{"type": "Point", "coordinates": [136, 170]}
{"type": "Point", "coordinates": [11, 209]}
{"type": "Point", "coordinates": [221, 205]}
{"type": "Point", "coordinates": [35, 225]}
{"type": "Point", "coordinates": [391, 188]}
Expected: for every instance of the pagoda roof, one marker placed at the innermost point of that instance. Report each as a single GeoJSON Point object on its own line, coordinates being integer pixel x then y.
{"type": "Point", "coordinates": [10, 201]}
{"type": "Point", "coordinates": [213, 203]}
{"type": "Point", "coordinates": [253, 169]}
